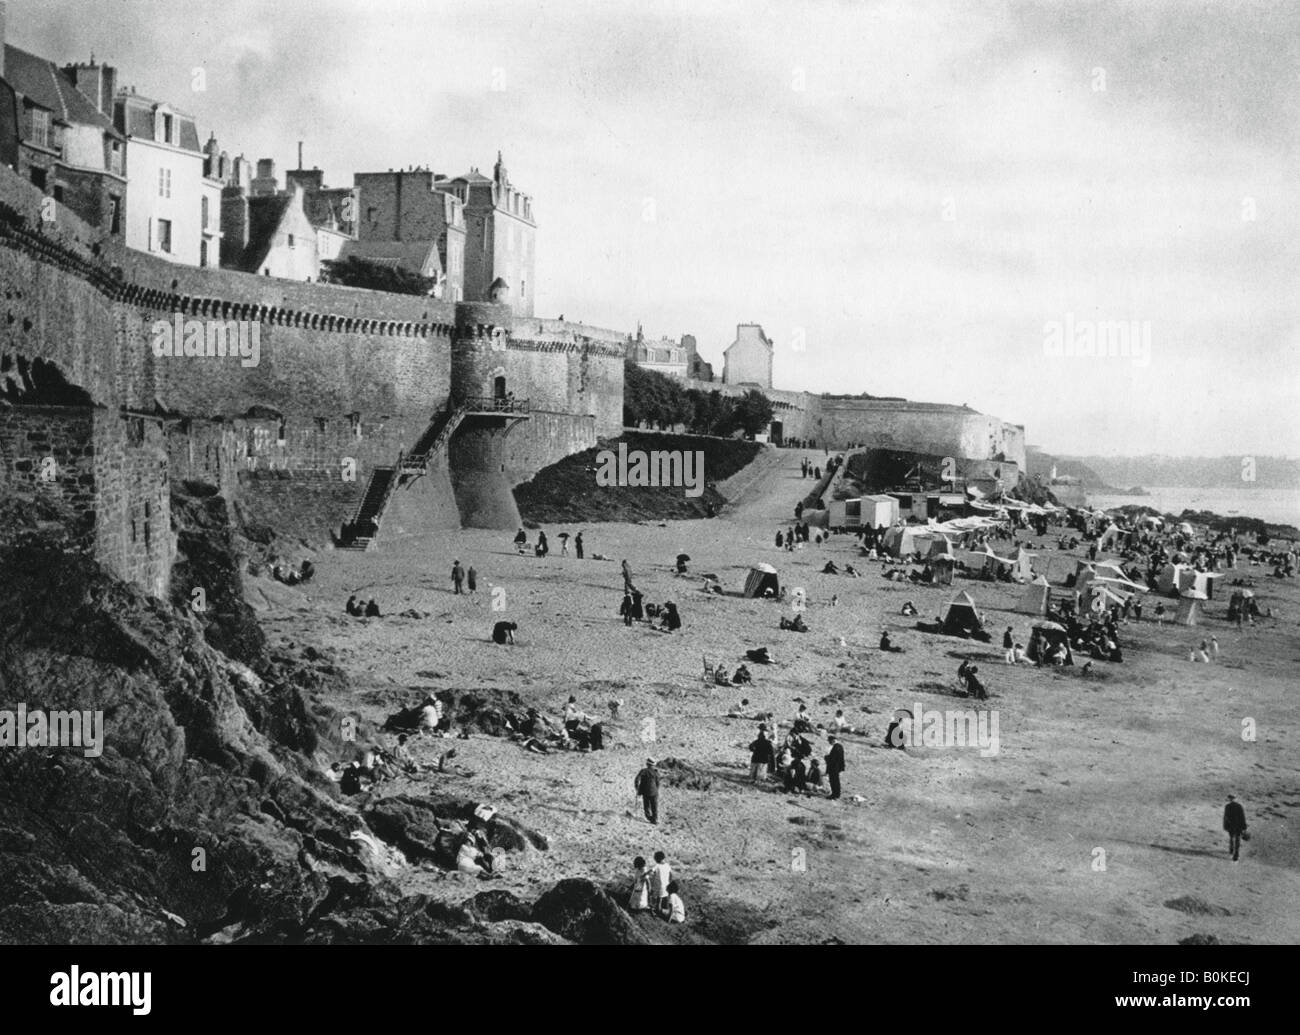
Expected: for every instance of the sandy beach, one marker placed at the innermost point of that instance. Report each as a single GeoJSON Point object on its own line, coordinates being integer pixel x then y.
{"type": "Point", "coordinates": [1098, 820]}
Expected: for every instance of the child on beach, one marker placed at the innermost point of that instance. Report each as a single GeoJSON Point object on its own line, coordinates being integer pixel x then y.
{"type": "Point", "coordinates": [639, 897]}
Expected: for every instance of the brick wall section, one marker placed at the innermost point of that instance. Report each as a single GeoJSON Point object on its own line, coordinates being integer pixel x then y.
{"type": "Point", "coordinates": [29, 435]}
{"type": "Point", "coordinates": [133, 501]}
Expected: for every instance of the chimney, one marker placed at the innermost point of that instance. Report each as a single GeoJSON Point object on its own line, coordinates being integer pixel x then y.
{"type": "Point", "coordinates": [2, 38]}
{"type": "Point", "coordinates": [299, 154]}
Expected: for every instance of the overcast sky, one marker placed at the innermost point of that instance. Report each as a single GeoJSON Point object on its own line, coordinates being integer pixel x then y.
{"type": "Point", "coordinates": [910, 191]}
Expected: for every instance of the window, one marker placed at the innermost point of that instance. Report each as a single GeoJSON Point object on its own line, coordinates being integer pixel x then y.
{"type": "Point", "coordinates": [291, 242]}
{"type": "Point", "coordinates": [523, 290]}
{"type": "Point", "coordinates": [203, 211]}
{"type": "Point", "coordinates": [58, 193]}
{"type": "Point", "coordinates": [164, 183]}
{"type": "Point", "coordinates": [115, 159]}
{"type": "Point", "coordinates": [167, 127]}
{"type": "Point", "coordinates": [40, 127]}
{"type": "Point", "coordinates": [114, 214]}
{"type": "Point", "coordinates": [203, 253]}
{"type": "Point", "coordinates": [165, 235]}
{"type": "Point", "coordinates": [38, 178]}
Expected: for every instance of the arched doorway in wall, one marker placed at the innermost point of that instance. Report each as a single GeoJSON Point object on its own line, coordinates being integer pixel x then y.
{"type": "Point", "coordinates": [499, 387]}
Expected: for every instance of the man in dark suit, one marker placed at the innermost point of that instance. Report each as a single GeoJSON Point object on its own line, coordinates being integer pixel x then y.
{"type": "Point", "coordinates": [834, 764]}
{"type": "Point", "coordinates": [1234, 822]}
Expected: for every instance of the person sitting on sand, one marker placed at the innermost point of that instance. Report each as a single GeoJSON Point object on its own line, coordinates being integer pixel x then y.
{"type": "Point", "coordinates": [742, 676]}
{"type": "Point", "coordinates": [521, 540]}
{"type": "Point", "coordinates": [671, 619]}
{"type": "Point", "coordinates": [504, 632]}
{"type": "Point", "coordinates": [887, 645]}
{"type": "Point", "coordinates": [473, 858]}
{"type": "Point", "coordinates": [681, 563]}
{"type": "Point", "coordinates": [372, 610]}
{"type": "Point", "coordinates": [973, 685]}
{"type": "Point", "coordinates": [840, 723]}
{"type": "Point", "coordinates": [908, 609]}
{"type": "Point", "coordinates": [430, 715]}
{"type": "Point", "coordinates": [354, 607]}
{"type": "Point", "coordinates": [737, 711]}
{"type": "Point", "coordinates": [795, 624]}
{"type": "Point", "coordinates": [830, 568]}
{"type": "Point", "coordinates": [676, 913]}
{"type": "Point", "coordinates": [814, 776]}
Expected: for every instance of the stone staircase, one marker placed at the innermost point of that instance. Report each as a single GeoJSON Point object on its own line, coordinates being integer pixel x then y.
{"type": "Point", "coordinates": [361, 532]}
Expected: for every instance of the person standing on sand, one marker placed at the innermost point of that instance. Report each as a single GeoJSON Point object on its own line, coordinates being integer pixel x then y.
{"type": "Point", "coordinates": [661, 875]}
{"type": "Point", "coordinates": [577, 545]}
{"type": "Point", "coordinates": [760, 756]}
{"type": "Point", "coordinates": [471, 579]}
{"type": "Point", "coordinates": [564, 544]}
{"type": "Point", "coordinates": [627, 579]}
{"type": "Point", "coordinates": [834, 765]}
{"type": "Point", "coordinates": [625, 609]}
{"type": "Point", "coordinates": [639, 896]}
{"type": "Point", "coordinates": [457, 578]}
{"type": "Point", "coordinates": [1234, 822]}
{"type": "Point", "coordinates": [647, 787]}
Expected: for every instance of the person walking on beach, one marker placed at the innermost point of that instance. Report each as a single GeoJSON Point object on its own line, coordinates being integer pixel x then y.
{"type": "Point", "coordinates": [647, 787]}
{"type": "Point", "coordinates": [625, 609]}
{"type": "Point", "coordinates": [834, 764]}
{"type": "Point", "coordinates": [1234, 822]}
{"type": "Point", "coordinates": [543, 547]}
{"type": "Point", "coordinates": [564, 544]}
{"type": "Point", "coordinates": [457, 578]}
{"type": "Point", "coordinates": [577, 545]}
{"type": "Point", "coordinates": [471, 579]}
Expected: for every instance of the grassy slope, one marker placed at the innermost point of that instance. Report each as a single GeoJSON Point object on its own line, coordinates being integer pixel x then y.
{"type": "Point", "coordinates": [567, 491]}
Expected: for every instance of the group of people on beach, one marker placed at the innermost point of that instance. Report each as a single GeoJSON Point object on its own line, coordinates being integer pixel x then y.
{"type": "Point", "coordinates": [654, 890]}
{"type": "Point", "coordinates": [543, 547]}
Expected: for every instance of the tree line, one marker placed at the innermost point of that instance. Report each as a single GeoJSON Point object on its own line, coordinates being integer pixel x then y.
{"type": "Point", "coordinates": [655, 398]}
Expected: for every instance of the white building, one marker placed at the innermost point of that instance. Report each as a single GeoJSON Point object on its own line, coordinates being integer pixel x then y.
{"type": "Point", "coordinates": [167, 192]}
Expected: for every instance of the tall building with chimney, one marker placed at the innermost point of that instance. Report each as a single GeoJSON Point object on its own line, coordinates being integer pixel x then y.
{"type": "Point", "coordinates": [748, 359]}
{"type": "Point", "coordinates": [406, 219]}
{"type": "Point", "coordinates": [174, 206]}
{"type": "Point", "coordinates": [500, 238]}
{"type": "Point", "coordinates": [67, 145]}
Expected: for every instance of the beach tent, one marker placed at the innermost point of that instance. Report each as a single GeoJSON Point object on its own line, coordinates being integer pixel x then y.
{"type": "Point", "coordinates": [1203, 582]}
{"type": "Point", "coordinates": [1174, 578]}
{"type": "Point", "coordinates": [1100, 597]}
{"type": "Point", "coordinates": [761, 578]}
{"type": "Point", "coordinates": [905, 540]}
{"type": "Point", "coordinates": [1108, 537]}
{"type": "Point", "coordinates": [1022, 565]}
{"type": "Point", "coordinates": [961, 616]}
{"type": "Point", "coordinates": [1036, 598]}
{"type": "Point", "coordinates": [1189, 607]}
{"type": "Point", "coordinates": [941, 547]}
{"type": "Point", "coordinates": [1186, 529]}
